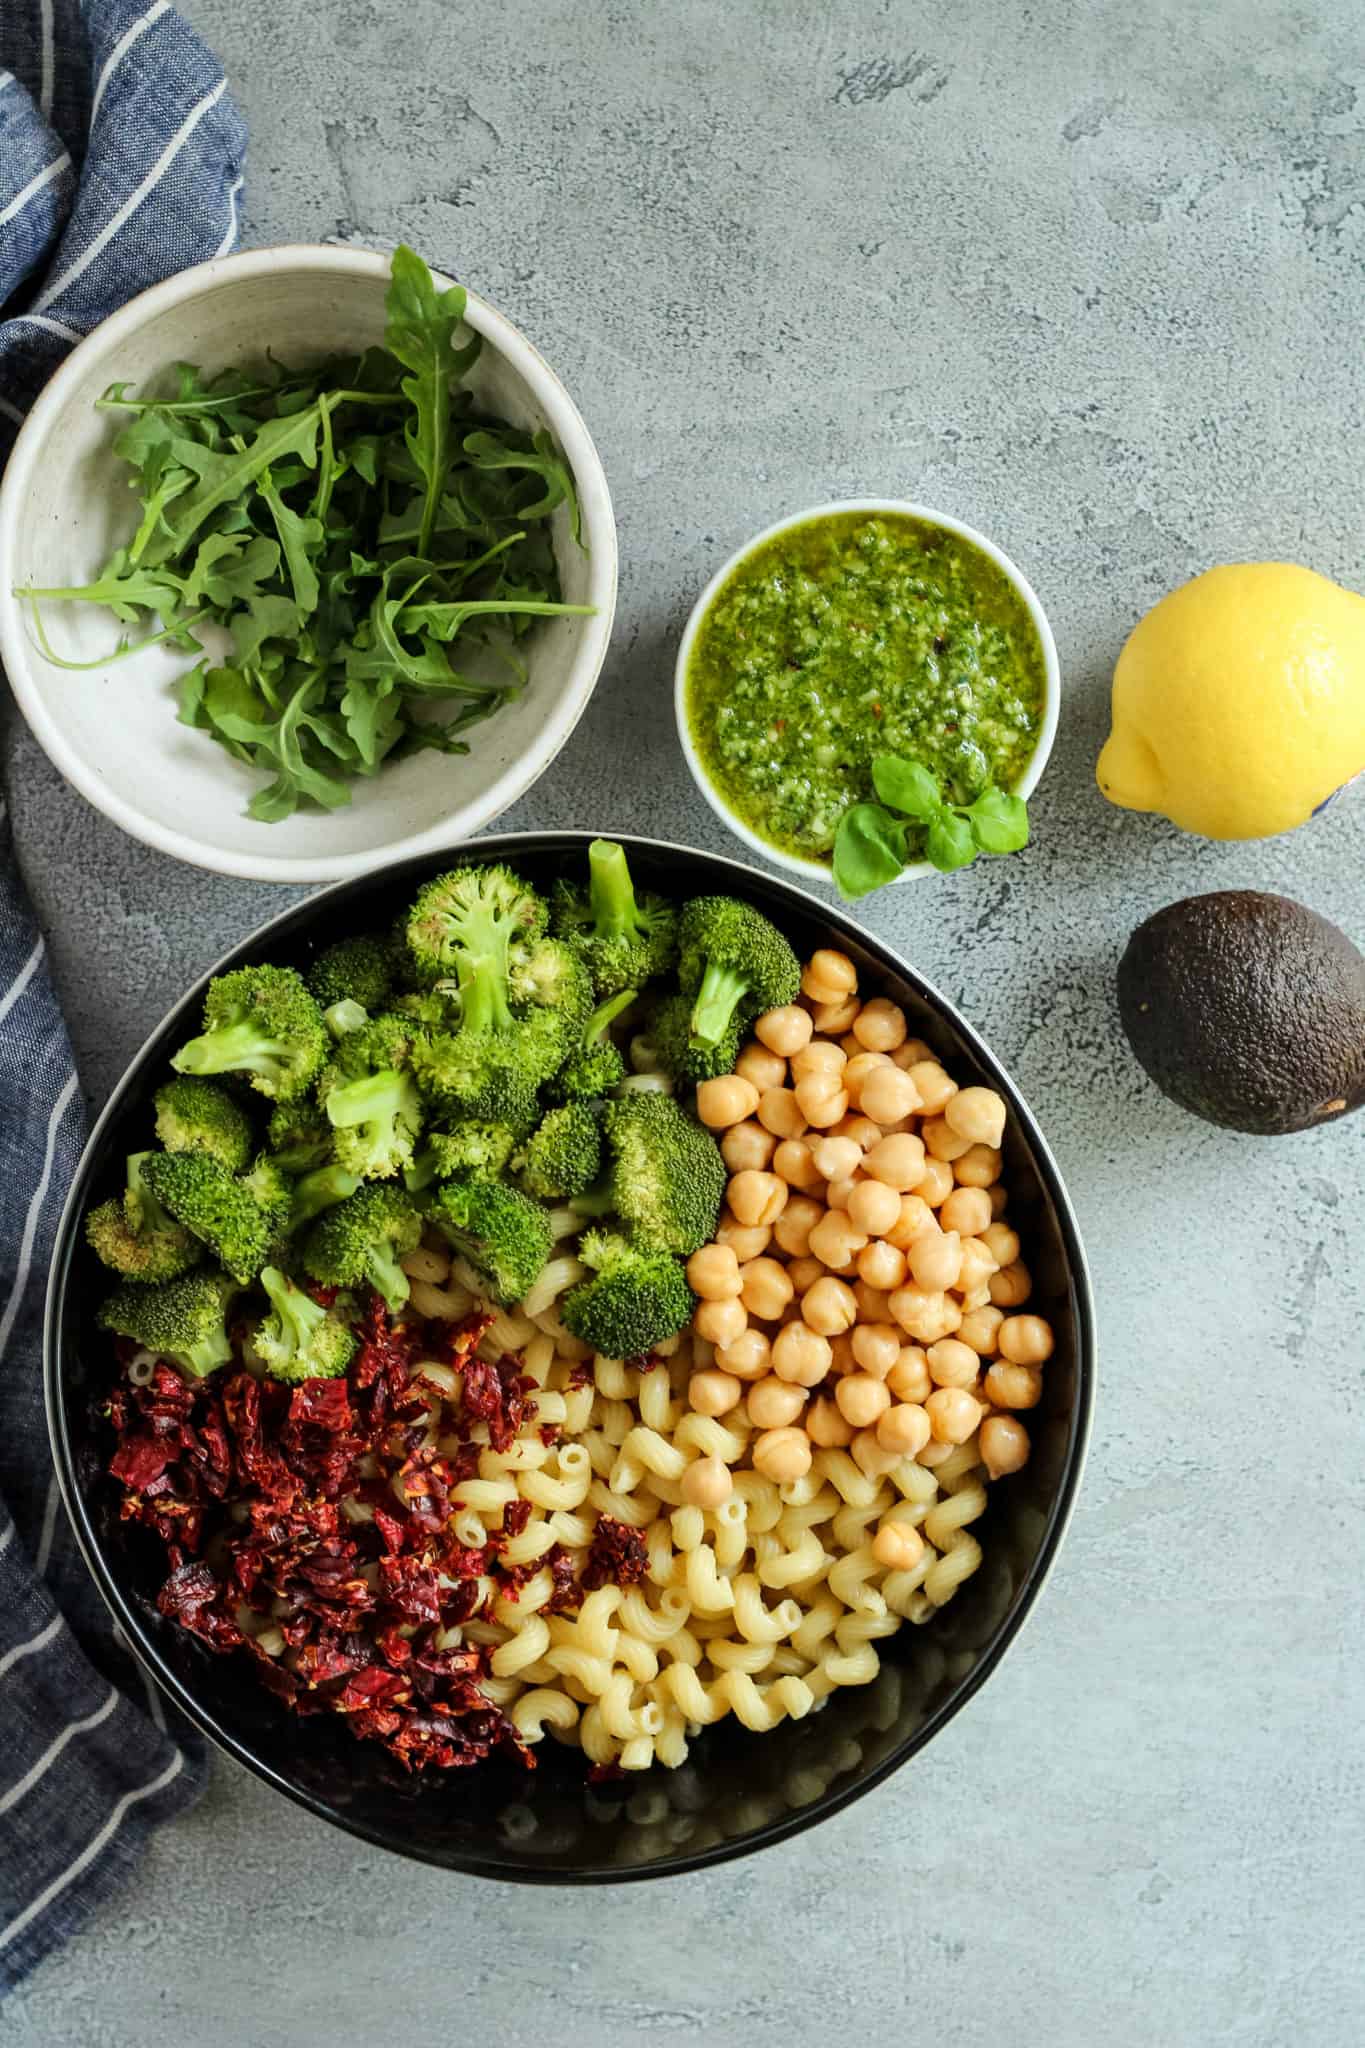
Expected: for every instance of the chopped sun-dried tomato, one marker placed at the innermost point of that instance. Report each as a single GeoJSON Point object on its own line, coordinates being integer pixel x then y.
{"type": "Point", "coordinates": [616, 1555]}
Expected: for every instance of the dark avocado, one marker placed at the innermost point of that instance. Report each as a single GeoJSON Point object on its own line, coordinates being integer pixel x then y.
{"type": "Point", "coordinates": [1248, 1010]}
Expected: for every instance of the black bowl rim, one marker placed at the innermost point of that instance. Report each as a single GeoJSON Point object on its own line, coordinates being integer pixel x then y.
{"type": "Point", "coordinates": [507, 845]}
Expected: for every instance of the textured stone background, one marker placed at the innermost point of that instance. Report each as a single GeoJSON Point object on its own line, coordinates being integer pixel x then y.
{"type": "Point", "coordinates": [1089, 276]}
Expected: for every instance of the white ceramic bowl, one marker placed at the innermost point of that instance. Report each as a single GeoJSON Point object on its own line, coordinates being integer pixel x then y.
{"type": "Point", "coordinates": [113, 733]}
{"type": "Point", "coordinates": [815, 870]}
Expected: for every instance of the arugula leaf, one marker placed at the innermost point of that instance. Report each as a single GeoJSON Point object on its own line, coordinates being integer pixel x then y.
{"type": "Point", "coordinates": [126, 591]}
{"type": "Point", "coordinates": [489, 451]}
{"type": "Point", "coordinates": [420, 333]}
{"type": "Point", "coordinates": [298, 539]}
{"type": "Point", "coordinates": [224, 476]}
{"type": "Point", "coordinates": [869, 850]}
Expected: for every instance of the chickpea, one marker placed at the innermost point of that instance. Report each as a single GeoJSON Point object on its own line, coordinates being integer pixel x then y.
{"type": "Point", "coordinates": [835, 1241]}
{"type": "Point", "coordinates": [794, 1163]}
{"type": "Point", "coordinates": [881, 1265]}
{"type": "Point", "coordinates": [953, 1363]}
{"type": "Point", "coordinates": [765, 1288]}
{"type": "Point", "coordinates": [746, 1240]}
{"type": "Point", "coordinates": [874, 1303]}
{"type": "Point", "coordinates": [841, 1357]}
{"type": "Point", "coordinates": [837, 1158]}
{"type": "Point", "coordinates": [935, 1260]}
{"type": "Point", "coordinates": [873, 1207]}
{"type": "Point", "coordinates": [1013, 1386]}
{"type": "Point", "coordinates": [822, 1100]}
{"type": "Point", "coordinates": [1000, 1199]}
{"type": "Point", "coordinates": [977, 1114]}
{"type": "Point", "coordinates": [826, 1426]}
{"type": "Point", "coordinates": [726, 1100]}
{"type": "Point", "coordinates": [801, 1356]}
{"type": "Point", "coordinates": [977, 1264]}
{"type": "Point", "coordinates": [941, 1141]}
{"type": "Point", "coordinates": [804, 1272]}
{"type": "Point", "coordinates": [861, 1399]}
{"type": "Point", "coordinates": [909, 1378]}
{"type": "Point", "coordinates": [860, 1065]}
{"type": "Point", "coordinates": [849, 1045]}
{"type": "Point", "coordinates": [915, 1218]}
{"type": "Point", "coordinates": [937, 1183]}
{"type": "Point", "coordinates": [897, 1161]}
{"type": "Point", "coordinates": [953, 1414]}
{"type": "Point", "coordinates": [838, 1192]}
{"type": "Point", "coordinates": [1004, 1445]}
{"type": "Point", "coordinates": [829, 1307]}
{"type": "Point", "coordinates": [870, 1456]}
{"type": "Point", "coordinates": [707, 1483]}
{"type": "Point", "coordinates": [1026, 1340]}
{"type": "Point", "coordinates": [748, 1358]}
{"type": "Point", "coordinates": [1011, 1286]}
{"type": "Point", "coordinates": [904, 1428]}
{"type": "Point", "coordinates": [757, 1197]}
{"type": "Point", "coordinates": [761, 1067]}
{"type": "Point", "coordinates": [828, 973]}
{"type": "Point", "coordinates": [924, 1314]}
{"type": "Point", "coordinates": [784, 1030]}
{"type": "Point", "coordinates": [881, 1025]}
{"type": "Point", "coordinates": [782, 1455]}
{"type": "Point", "coordinates": [793, 1227]}
{"type": "Point", "coordinates": [835, 1018]}
{"type": "Point", "coordinates": [720, 1322]}
{"type": "Point", "coordinates": [819, 1057]}
{"type": "Point", "coordinates": [780, 1113]}
{"type": "Point", "coordinates": [876, 1347]}
{"type": "Point", "coordinates": [967, 1210]}
{"type": "Point", "coordinates": [898, 1545]}
{"type": "Point", "coordinates": [934, 1087]}
{"type": "Point", "coordinates": [747, 1144]}
{"type": "Point", "coordinates": [713, 1393]}
{"type": "Point", "coordinates": [772, 1404]}
{"type": "Point", "coordinates": [979, 1167]}
{"type": "Point", "coordinates": [861, 1129]}
{"type": "Point", "coordinates": [888, 1095]}
{"type": "Point", "coordinates": [980, 1328]}
{"type": "Point", "coordinates": [934, 1453]}
{"type": "Point", "coordinates": [918, 1049]}
{"type": "Point", "coordinates": [713, 1273]}
{"type": "Point", "coordinates": [1002, 1242]}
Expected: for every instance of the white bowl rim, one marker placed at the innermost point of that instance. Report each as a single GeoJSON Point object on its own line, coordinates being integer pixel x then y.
{"type": "Point", "coordinates": [795, 863]}
{"type": "Point", "coordinates": [598, 519]}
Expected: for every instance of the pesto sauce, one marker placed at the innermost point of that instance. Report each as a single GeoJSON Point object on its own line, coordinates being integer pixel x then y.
{"type": "Point", "coordinates": [853, 635]}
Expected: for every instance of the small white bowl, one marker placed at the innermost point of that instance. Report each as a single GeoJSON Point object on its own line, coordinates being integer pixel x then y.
{"type": "Point", "coordinates": [814, 870]}
{"type": "Point", "coordinates": [65, 504]}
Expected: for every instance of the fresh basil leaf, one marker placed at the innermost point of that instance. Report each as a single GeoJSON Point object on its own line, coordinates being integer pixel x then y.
{"type": "Point", "coordinates": [949, 842]}
{"type": "Point", "coordinates": [907, 786]}
{"type": "Point", "coordinates": [869, 850]}
{"type": "Point", "coordinates": [999, 820]}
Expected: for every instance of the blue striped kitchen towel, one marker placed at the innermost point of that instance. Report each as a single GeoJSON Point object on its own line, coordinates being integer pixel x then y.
{"type": "Point", "coordinates": [120, 162]}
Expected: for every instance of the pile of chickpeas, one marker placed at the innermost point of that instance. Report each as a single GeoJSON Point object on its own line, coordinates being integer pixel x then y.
{"type": "Point", "coordinates": [861, 1287]}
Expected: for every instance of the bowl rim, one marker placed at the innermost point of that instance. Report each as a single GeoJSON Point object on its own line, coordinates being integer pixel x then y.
{"type": "Point", "coordinates": [795, 863]}
{"type": "Point", "coordinates": [509, 846]}
{"type": "Point", "coordinates": [599, 529]}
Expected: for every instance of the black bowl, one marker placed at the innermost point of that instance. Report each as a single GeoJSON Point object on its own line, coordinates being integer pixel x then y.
{"type": "Point", "coordinates": [738, 1791]}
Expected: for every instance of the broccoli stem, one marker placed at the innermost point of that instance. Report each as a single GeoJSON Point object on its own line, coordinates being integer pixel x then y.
{"type": "Point", "coordinates": [722, 990]}
{"type": "Point", "coordinates": [299, 1314]}
{"type": "Point", "coordinates": [606, 1014]}
{"type": "Point", "coordinates": [206, 1356]}
{"type": "Point", "coordinates": [234, 1048]}
{"type": "Point", "coordinates": [147, 1217]}
{"type": "Point", "coordinates": [318, 1191]}
{"type": "Point", "coordinates": [484, 973]}
{"type": "Point", "coordinates": [345, 1016]}
{"type": "Point", "coordinates": [611, 893]}
{"type": "Point", "coordinates": [386, 1276]}
{"type": "Point", "coordinates": [368, 1100]}
{"type": "Point", "coordinates": [598, 1201]}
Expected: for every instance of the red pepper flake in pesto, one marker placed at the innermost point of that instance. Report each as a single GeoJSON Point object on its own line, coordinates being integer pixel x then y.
{"type": "Point", "coordinates": [616, 1555]}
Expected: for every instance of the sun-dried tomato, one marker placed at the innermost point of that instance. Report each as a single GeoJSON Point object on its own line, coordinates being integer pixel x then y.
{"type": "Point", "coordinates": [616, 1555]}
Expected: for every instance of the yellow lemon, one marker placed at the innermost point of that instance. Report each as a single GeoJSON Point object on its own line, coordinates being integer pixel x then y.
{"type": "Point", "coordinates": [1239, 702]}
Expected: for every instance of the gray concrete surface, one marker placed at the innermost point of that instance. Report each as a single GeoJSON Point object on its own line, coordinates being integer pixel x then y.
{"type": "Point", "coordinates": [1089, 276]}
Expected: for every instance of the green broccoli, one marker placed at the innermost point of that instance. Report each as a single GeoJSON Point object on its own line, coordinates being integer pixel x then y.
{"type": "Point", "coordinates": [635, 1300]}
{"type": "Point", "coordinates": [321, 1189]}
{"type": "Point", "coordinates": [134, 1235]}
{"type": "Point", "coordinates": [345, 1016]}
{"type": "Point", "coordinates": [563, 1155]}
{"type": "Point", "coordinates": [299, 1136]}
{"type": "Point", "coordinates": [625, 939]}
{"type": "Point", "coordinates": [360, 1242]}
{"type": "Point", "coordinates": [299, 1340]}
{"type": "Point", "coordinates": [260, 1022]}
{"type": "Point", "coordinates": [733, 963]}
{"type": "Point", "coordinates": [358, 970]}
{"type": "Point", "coordinates": [471, 1147]}
{"type": "Point", "coordinates": [432, 1009]}
{"type": "Point", "coordinates": [550, 975]}
{"type": "Point", "coordinates": [685, 1057]}
{"type": "Point", "coordinates": [218, 1208]}
{"type": "Point", "coordinates": [668, 1177]}
{"type": "Point", "coordinates": [199, 1116]}
{"type": "Point", "coordinates": [503, 1234]}
{"type": "Point", "coordinates": [463, 926]}
{"type": "Point", "coordinates": [472, 1075]}
{"type": "Point", "coordinates": [371, 1099]}
{"type": "Point", "coordinates": [184, 1320]}
{"type": "Point", "coordinates": [272, 1190]}
{"type": "Point", "coordinates": [596, 1066]}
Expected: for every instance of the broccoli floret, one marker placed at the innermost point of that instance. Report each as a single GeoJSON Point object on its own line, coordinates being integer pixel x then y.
{"type": "Point", "coordinates": [371, 1099]}
{"type": "Point", "coordinates": [733, 963]}
{"type": "Point", "coordinates": [134, 1235]}
{"type": "Point", "coordinates": [358, 970]}
{"type": "Point", "coordinates": [218, 1208]}
{"type": "Point", "coordinates": [685, 1057]}
{"type": "Point", "coordinates": [637, 1299]}
{"type": "Point", "coordinates": [463, 926]}
{"type": "Point", "coordinates": [550, 975]}
{"type": "Point", "coordinates": [199, 1116]}
{"type": "Point", "coordinates": [563, 1155]}
{"type": "Point", "coordinates": [321, 1189]}
{"type": "Point", "coordinates": [668, 1177]}
{"type": "Point", "coordinates": [503, 1234]}
{"type": "Point", "coordinates": [299, 1136]}
{"type": "Point", "coordinates": [625, 938]}
{"type": "Point", "coordinates": [361, 1240]}
{"type": "Point", "coordinates": [299, 1340]}
{"type": "Point", "coordinates": [433, 1009]}
{"type": "Point", "coordinates": [472, 1074]}
{"type": "Point", "coordinates": [184, 1320]}
{"type": "Point", "coordinates": [472, 1147]}
{"type": "Point", "coordinates": [595, 1066]}
{"type": "Point", "coordinates": [261, 1022]}
{"type": "Point", "coordinates": [272, 1190]}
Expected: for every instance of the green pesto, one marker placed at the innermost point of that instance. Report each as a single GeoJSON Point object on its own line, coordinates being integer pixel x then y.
{"type": "Point", "coordinates": [852, 635]}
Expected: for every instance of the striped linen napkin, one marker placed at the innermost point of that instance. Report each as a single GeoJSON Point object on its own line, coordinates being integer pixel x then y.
{"type": "Point", "coordinates": [120, 162]}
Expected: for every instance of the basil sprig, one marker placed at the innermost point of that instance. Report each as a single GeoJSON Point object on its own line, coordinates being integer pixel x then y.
{"type": "Point", "coordinates": [872, 845]}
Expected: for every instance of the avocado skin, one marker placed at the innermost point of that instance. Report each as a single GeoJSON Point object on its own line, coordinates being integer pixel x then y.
{"type": "Point", "coordinates": [1248, 1010]}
